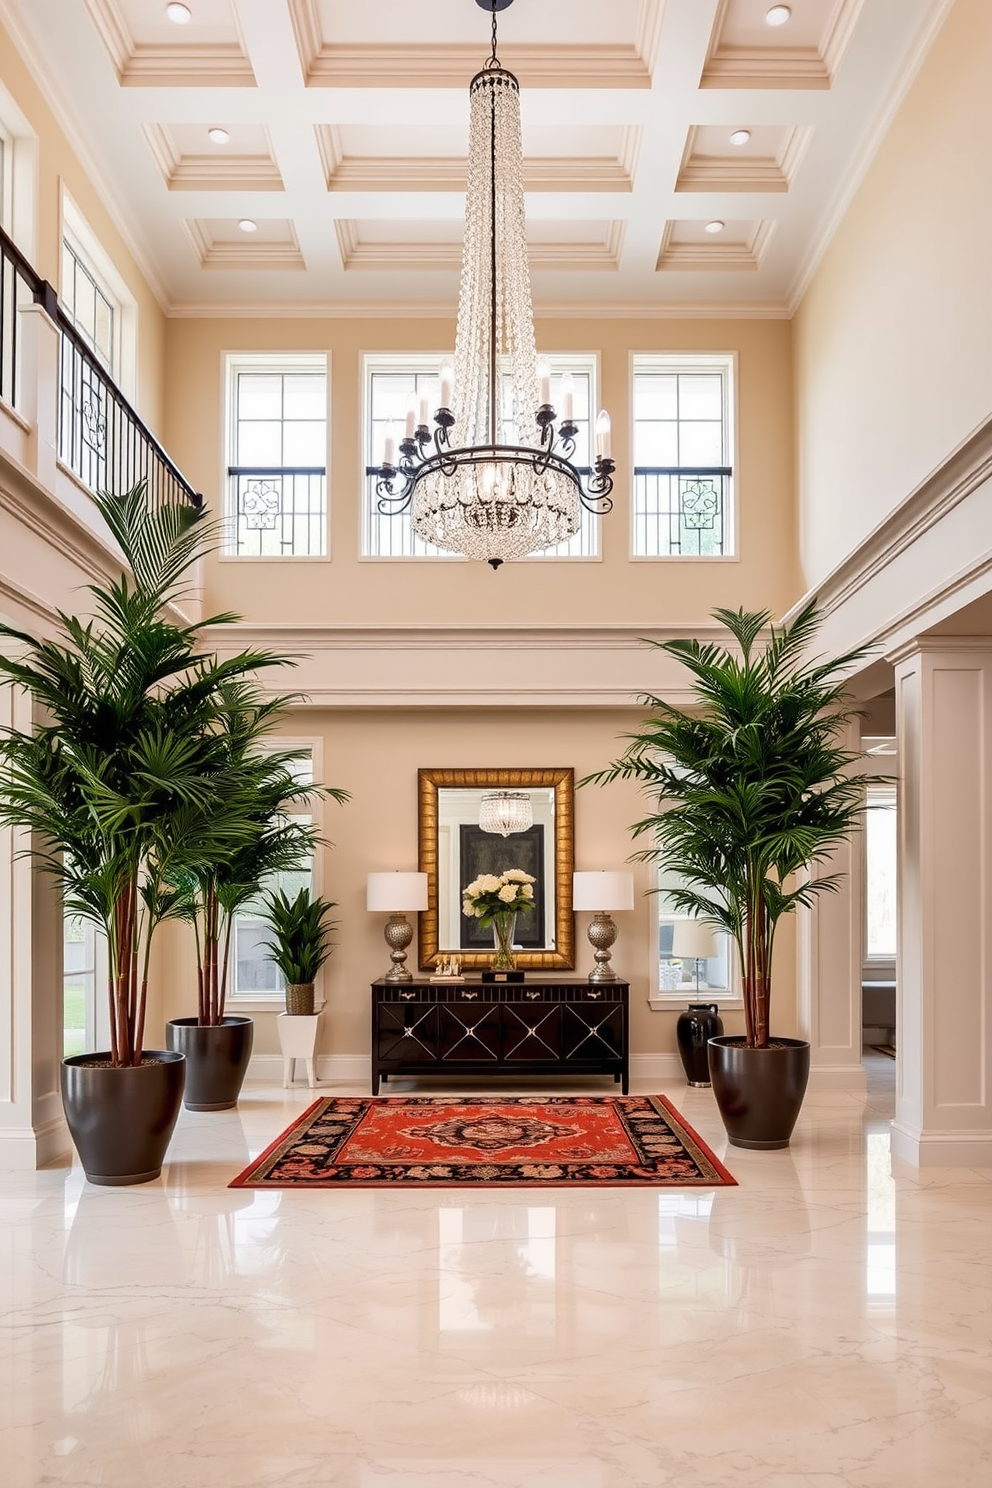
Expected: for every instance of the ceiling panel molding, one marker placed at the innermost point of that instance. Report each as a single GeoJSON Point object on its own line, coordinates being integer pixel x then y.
{"type": "Point", "coordinates": [210, 172]}
{"type": "Point", "coordinates": [596, 254]}
{"type": "Point", "coordinates": [743, 172]}
{"type": "Point", "coordinates": [434, 311]}
{"type": "Point", "coordinates": [423, 65]}
{"type": "Point", "coordinates": [140, 65]}
{"type": "Point", "coordinates": [777, 64]}
{"type": "Point", "coordinates": [715, 254]}
{"type": "Point", "coordinates": [594, 173]}
{"type": "Point", "coordinates": [221, 253]}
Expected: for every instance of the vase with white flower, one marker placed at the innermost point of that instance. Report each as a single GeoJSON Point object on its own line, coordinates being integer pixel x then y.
{"type": "Point", "coordinates": [497, 899]}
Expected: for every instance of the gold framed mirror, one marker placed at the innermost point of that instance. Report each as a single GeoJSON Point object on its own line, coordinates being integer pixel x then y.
{"type": "Point", "coordinates": [454, 849]}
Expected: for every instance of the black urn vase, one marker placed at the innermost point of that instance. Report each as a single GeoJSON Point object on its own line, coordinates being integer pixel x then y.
{"type": "Point", "coordinates": [696, 1026]}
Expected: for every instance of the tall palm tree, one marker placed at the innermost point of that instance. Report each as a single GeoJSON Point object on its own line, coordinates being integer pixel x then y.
{"type": "Point", "coordinates": [118, 780]}
{"type": "Point", "coordinates": [752, 788]}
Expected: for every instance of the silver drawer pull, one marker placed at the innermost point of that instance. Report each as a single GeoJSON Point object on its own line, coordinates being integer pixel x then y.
{"type": "Point", "coordinates": [408, 996]}
{"type": "Point", "coordinates": [469, 995]}
{"type": "Point", "coordinates": [532, 996]}
{"type": "Point", "coordinates": [595, 995]}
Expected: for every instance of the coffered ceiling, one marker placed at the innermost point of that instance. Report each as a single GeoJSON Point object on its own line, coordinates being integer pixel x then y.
{"type": "Point", "coordinates": [347, 130]}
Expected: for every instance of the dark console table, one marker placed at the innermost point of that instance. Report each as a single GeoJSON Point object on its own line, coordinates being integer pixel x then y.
{"type": "Point", "coordinates": [544, 1026]}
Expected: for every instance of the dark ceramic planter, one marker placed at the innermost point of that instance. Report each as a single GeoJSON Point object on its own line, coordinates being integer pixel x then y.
{"type": "Point", "coordinates": [696, 1026]}
{"type": "Point", "coordinates": [759, 1091]}
{"type": "Point", "coordinates": [121, 1120]}
{"type": "Point", "coordinates": [216, 1060]}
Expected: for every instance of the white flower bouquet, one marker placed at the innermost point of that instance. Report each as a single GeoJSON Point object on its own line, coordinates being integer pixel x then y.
{"type": "Point", "coordinates": [489, 895]}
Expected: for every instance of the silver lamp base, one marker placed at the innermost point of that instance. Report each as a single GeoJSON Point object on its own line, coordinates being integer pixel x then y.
{"type": "Point", "coordinates": [398, 934]}
{"type": "Point", "coordinates": [602, 933]}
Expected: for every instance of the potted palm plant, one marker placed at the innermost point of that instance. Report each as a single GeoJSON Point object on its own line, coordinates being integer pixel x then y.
{"type": "Point", "coordinates": [259, 786]}
{"type": "Point", "coordinates": [301, 942]}
{"type": "Point", "coordinates": [117, 783]}
{"type": "Point", "coordinates": [752, 791]}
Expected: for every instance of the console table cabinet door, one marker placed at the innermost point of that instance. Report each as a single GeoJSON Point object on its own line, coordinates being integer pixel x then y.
{"type": "Point", "coordinates": [531, 1032]}
{"type": "Point", "coordinates": [469, 1033]}
{"type": "Point", "coordinates": [406, 1032]}
{"type": "Point", "coordinates": [593, 1033]}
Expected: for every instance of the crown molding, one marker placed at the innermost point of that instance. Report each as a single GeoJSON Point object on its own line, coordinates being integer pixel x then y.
{"type": "Point", "coordinates": [247, 255]}
{"type": "Point", "coordinates": [777, 65]}
{"type": "Point", "coordinates": [447, 310]}
{"type": "Point", "coordinates": [560, 258]}
{"type": "Point", "coordinates": [743, 173]}
{"type": "Point", "coordinates": [216, 65]}
{"type": "Point", "coordinates": [420, 65]}
{"type": "Point", "coordinates": [599, 173]}
{"type": "Point", "coordinates": [209, 172]}
{"type": "Point", "coordinates": [715, 255]}
{"type": "Point", "coordinates": [872, 139]}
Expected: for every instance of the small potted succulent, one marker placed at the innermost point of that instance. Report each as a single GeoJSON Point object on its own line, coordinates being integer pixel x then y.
{"type": "Point", "coordinates": [300, 943]}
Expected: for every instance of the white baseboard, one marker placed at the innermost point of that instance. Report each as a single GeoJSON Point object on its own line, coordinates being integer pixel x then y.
{"type": "Point", "coordinates": [838, 1077]}
{"type": "Point", "coordinates": [656, 1069]}
{"type": "Point", "coordinates": [941, 1149]}
{"type": "Point", "coordinates": [25, 1149]}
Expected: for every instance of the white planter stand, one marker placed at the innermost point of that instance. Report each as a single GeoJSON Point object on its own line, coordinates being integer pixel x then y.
{"type": "Point", "coordinates": [298, 1040]}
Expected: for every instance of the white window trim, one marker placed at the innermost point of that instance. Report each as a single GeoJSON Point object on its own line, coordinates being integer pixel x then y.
{"type": "Point", "coordinates": [675, 361]}
{"type": "Point", "coordinates": [234, 362]}
{"type": "Point", "coordinates": [18, 211]}
{"type": "Point", "coordinates": [87, 246]}
{"type": "Point", "coordinates": [373, 361]}
{"type": "Point", "coordinates": [275, 1002]}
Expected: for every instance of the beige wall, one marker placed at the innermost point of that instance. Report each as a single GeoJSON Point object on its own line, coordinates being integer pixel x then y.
{"type": "Point", "coordinates": [375, 755]}
{"type": "Point", "coordinates": [57, 165]}
{"type": "Point", "coordinates": [892, 343]}
{"type": "Point", "coordinates": [347, 591]}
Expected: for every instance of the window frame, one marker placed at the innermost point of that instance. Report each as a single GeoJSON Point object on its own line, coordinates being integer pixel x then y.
{"type": "Point", "coordinates": [687, 362]}
{"type": "Point", "coordinates": [256, 1001]}
{"type": "Point", "coordinates": [581, 362]}
{"type": "Point", "coordinates": [77, 234]}
{"type": "Point", "coordinates": [274, 363]}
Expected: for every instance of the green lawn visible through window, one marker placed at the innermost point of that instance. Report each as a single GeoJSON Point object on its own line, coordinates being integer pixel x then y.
{"type": "Point", "coordinates": [73, 1020]}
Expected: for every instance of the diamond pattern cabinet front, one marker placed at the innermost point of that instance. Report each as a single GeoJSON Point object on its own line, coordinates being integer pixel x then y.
{"type": "Point", "coordinates": [561, 1027]}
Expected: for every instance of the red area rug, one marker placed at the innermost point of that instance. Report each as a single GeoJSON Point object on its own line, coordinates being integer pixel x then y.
{"type": "Point", "coordinates": [429, 1142]}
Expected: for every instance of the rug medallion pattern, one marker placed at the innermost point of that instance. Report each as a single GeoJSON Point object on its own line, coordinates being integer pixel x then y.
{"type": "Point", "coordinates": [429, 1141]}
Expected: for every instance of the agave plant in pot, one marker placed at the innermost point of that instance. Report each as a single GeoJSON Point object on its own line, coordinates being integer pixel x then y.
{"type": "Point", "coordinates": [301, 943]}
{"type": "Point", "coordinates": [258, 787]}
{"type": "Point", "coordinates": [116, 783]}
{"type": "Point", "coordinates": [752, 791]}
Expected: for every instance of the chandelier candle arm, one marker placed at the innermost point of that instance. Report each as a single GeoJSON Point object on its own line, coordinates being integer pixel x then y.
{"type": "Point", "coordinates": [465, 490]}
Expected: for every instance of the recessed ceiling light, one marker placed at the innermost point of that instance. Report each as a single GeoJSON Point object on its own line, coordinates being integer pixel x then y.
{"type": "Point", "coordinates": [740, 136]}
{"type": "Point", "coordinates": [246, 225]}
{"type": "Point", "coordinates": [715, 227]}
{"type": "Point", "coordinates": [219, 136]}
{"type": "Point", "coordinates": [179, 15]}
{"type": "Point", "coordinates": [778, 15]}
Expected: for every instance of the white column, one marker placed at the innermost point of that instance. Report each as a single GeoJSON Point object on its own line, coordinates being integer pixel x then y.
{"type": "Point", "coordinates": [40, 382]}
{"type": "Point", "coordinates": [830, 954]}
{"type": "Point", "coordinates": [32, 1125]}
{"type": "Point", "coordinates": [943, 1028]}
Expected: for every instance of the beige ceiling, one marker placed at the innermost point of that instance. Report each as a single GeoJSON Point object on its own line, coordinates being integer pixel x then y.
{"type": "Point", "coordinates": [349, 123]}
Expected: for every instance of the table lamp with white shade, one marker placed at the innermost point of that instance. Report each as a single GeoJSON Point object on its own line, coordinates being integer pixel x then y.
{"type": "Point", "coordinates": [602, 892]}
{"type": "Point", "coordinates": [397, 894]}
{"type": "Point", "coordinates": [693, 940]}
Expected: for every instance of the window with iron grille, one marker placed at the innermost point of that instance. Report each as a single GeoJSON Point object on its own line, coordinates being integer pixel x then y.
{"type": "Point", "coordinates": [390, 382]}
{"type": "Point", "coordinates": [683, 457]}
{"type": "Point", "coordinates": [277, 471]}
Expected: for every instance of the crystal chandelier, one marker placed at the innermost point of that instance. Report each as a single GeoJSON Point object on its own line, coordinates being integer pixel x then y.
{"type": "Point", "coordinates": [506, 812]}
{"type": "Point", "coordinates": [467, 490]}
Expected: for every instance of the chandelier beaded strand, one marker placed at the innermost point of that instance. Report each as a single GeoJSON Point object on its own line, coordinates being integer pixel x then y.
{"type": "Point", "coordinates": [466, 490]}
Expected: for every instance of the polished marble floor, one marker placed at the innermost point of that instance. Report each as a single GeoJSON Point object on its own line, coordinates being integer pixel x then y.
{"type": "Point", "coordinates": [823, 1324]}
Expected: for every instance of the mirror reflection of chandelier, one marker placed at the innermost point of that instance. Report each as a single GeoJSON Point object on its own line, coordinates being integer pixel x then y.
{"type": "Point", "coordinates": [467, 490]}
{"type": "Point", "coordinates": [506, 812]}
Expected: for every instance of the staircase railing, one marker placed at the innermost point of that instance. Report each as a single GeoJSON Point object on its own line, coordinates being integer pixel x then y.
{"type": "Point", "coordinates": [101, 438]}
